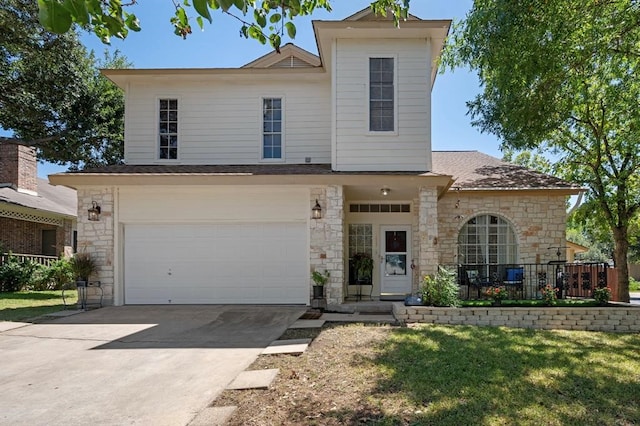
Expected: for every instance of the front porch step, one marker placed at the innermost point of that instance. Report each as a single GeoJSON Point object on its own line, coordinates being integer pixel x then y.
{"type": "Point", "coordinates": [363, 308]}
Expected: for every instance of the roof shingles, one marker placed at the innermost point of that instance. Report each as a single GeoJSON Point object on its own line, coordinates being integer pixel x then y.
{"type": "Point", "coordinates": [470, 170]}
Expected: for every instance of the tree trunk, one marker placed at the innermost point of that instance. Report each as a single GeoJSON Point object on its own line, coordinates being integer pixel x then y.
{"type": "Point", "coordinates": [621, 264]}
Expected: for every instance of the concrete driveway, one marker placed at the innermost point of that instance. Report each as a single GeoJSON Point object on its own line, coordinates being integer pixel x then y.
{"type": "Point", "coordinates": [135, 365]}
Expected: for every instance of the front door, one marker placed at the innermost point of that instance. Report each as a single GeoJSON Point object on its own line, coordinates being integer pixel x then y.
{"type": "Point", "coordinates": [396, 260]}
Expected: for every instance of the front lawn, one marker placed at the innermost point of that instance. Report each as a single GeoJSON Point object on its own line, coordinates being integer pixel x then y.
{"type": "Point", "coordinates": [449, 375]}
{"type": "Point", "coordinates": [23, 305]}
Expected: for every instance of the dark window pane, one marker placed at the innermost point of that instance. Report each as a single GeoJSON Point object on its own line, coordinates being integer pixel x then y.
{"type": "Point", "coordinates": [353, 208]}
{"type": "Point", "coordinates": [164, 153]}
{"type": "Point", "coordinates": [384, 208]}
{"type": "Point", "coordinates": [173, 154]}
{"type": "Point", "coordinates": [173, 104]}
{"type": "Point", "coordinates": [395, 208]}
{"type": "Point", "coordinates": [375, 208]}
{"type": "Point", "coordinates": [406, 208]}
{"type": "Point", "coordinates": [163, 104]}
{"type": "Point", "coordinates": [364, 208]}
{"type": "Point", "coordinates": [396, 241]}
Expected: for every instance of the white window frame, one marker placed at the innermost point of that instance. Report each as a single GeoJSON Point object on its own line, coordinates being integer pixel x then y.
{"type": "Point", "coordinates": [489, 250]}
{"type": "Point", "coordinates": [395, 94]}
{"type": "Point", "coordinates": [157, 130]}
{"type": "Point", "coordinates": [261, 132]}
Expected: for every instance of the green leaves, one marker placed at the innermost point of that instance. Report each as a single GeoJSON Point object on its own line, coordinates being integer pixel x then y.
{"type": "Point", "coordinates": [202, 7]}
{"type": "Point", "coordinates": [54, 16]}
{"type": "Point", "coordinates": [271, 19]}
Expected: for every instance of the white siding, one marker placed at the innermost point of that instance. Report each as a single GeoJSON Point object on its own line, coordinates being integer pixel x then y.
{"type": "Point", "coordinates": [409, 146]}
{"type": "Point", "coordinates": [204, 204]}
{"type": "Point", "coordinates": [221, 121]}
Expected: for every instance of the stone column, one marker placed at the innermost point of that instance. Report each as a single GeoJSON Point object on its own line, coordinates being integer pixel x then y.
{"type": "Point", "coordinates": [326, 249]}
{"type": "Point", "coordinates": [428, 231]}
{"type": "Point", "coordinates": [97, 238]}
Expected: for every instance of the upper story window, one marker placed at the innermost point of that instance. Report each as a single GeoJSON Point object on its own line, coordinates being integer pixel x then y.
{"type": "Point", "coordinates": [168, 129]}
{"type": "Point", "coordinates": [272, 128]}
{"type": "Point", "coordinates": [381, 95]}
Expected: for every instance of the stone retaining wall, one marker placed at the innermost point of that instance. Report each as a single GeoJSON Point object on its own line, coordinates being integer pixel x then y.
{"type": "Point", "coordinates": [613, 319]}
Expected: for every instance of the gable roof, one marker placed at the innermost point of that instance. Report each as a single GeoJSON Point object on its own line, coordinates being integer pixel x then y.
{"type": "Point", "coordinates": [367, 14]}
{"type": "Point", "coordinates": [473, 170]}
{"type": "Point", "coordinates": [290, 56]}
{"type": "Point", "coordinates": [59, 200]}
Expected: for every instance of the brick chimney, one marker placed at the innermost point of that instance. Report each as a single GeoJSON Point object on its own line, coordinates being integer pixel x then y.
{"type": "Point", "coordinates": [18, 167]}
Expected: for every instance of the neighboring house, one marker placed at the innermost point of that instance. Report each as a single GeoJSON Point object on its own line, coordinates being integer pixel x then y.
{"type": "Point", "coordinates": [224, 166]}
{"type": "Point", "coordinates": [36, 218]}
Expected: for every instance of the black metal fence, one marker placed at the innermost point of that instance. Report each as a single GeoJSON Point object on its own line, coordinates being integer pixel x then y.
{"type": "Point", "coordinates": [525, 280]}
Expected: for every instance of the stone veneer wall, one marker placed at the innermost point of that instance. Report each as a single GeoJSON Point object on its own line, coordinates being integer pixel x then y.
{"type": "Point", "coordinates": [326, 249]}
{"type": "Point", "coordinates": [97, 238]}
{"type": "Point", "coordinates": [539, 221]}
{"type": "Point", "coordinates": [428, 224]}
{"type": "Point", "coordinates": [617, 319]}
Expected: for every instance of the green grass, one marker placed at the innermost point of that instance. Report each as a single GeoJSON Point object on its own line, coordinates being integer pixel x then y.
{"type": "Point", "coordinates": [24, 305]}
{"type": "Point", "coordinates": [462, 375]}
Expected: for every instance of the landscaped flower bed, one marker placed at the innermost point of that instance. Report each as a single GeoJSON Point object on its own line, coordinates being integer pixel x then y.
{"type": "Point", "coordinates": [602, 318]}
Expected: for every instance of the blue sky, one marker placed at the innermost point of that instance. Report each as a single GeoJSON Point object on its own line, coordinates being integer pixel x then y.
{"type": "Point", "coordinates": [220, 45]}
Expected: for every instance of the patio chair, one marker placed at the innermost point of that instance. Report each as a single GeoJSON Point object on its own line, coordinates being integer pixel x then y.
{"type": "Point", "coordinates": [514, 279]}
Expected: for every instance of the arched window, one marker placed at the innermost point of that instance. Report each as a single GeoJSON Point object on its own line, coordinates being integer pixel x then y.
{"type": "Point", "coordinates": [485, 241]}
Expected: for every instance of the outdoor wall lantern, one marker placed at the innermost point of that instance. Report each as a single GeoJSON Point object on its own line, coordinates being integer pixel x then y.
{"type": "Point", "coordinates": [385, 191]}
{"type": "Point", "coordinates": [94, 212]}
{"type": "Point", "coordinates": [316, 211]}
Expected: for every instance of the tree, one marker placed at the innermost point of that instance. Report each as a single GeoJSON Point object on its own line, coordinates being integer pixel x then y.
{"type": "Point", "coordinates": [262, 20]}
{"type": "Point", "coordinates": [562, 75]}
{"type": "Point", "coordinates": [531, 160]}
{"type": "Point", "coordinates": [52, 95]}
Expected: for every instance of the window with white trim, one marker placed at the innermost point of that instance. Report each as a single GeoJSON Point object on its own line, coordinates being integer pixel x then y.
{"type": "Point", "coordinates": [168, 129]}
{"type": "Point", "coordinates": [486, 241]}
{"type": "Point", "coordinates": [381, 95]}
{"type": "Point", "coordinates": [272, 128]}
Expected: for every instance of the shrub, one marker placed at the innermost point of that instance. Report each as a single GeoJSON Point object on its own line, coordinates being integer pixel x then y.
{"type": "Point", "coordinates": [441, 289]}
{"type": "Point", "coordinates": [549, 295]}
{"type": "Point", "coordinates": [633, 284]}
{"type": "Point", "coordinates": [16, 275]}
{"type": "Point", "coordinates": [602, 295]}
{"type": "Point", "coordinates": [53, 277]}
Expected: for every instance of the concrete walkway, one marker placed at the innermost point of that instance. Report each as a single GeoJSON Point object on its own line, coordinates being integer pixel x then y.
{"type": "Point", "coordinates": [139, 365]}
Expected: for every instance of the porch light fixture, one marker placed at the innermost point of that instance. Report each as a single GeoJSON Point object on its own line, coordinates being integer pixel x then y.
{"type": "Point", "coordinates": [385, 191]}
{"type": "Point", "coordinates": [94, 212]}
{"type": "Point", "coordinates": [316, 211]}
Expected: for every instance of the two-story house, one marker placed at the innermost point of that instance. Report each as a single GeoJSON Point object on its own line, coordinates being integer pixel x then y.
{"type": "Point", "coordinates": [239, 182]}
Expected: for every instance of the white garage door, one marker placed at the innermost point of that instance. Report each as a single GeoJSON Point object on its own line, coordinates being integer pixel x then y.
{"type": "Point", "coordinates": [264, 263]}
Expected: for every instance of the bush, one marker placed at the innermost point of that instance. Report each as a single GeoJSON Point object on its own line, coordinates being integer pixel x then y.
{"type": "Point", "coordinates": [441, 289]}
{"type": "Point", "coordinates": [16, 275]}
{"type": "Point", "coordinates": [56, 275]}
{"type": "Point", "coordinates": [633, 284]}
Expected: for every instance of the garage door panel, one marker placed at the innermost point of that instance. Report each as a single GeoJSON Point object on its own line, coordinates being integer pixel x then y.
{"type": "Point", "coordinates": [216, 263]}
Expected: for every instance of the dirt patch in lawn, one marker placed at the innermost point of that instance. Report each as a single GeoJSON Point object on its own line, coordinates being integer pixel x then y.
{"type": "Point", "coordinates": [327, 385]}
